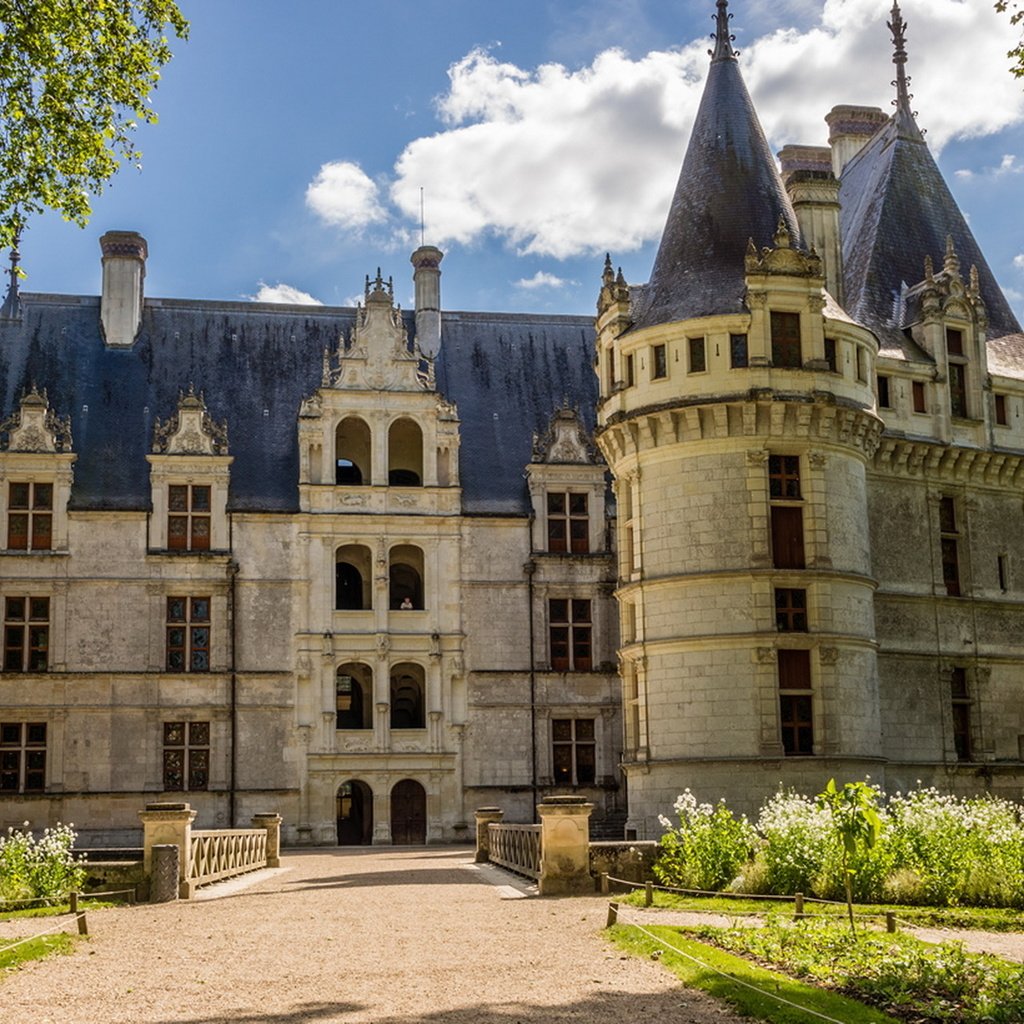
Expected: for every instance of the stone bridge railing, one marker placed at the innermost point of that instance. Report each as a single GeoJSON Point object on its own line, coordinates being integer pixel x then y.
{"type": "Point", "coordinates": [516, 847]}
{"type": "Point", "coordinates": [209, 855]}
{"type": "Point", "coordinates": [556, 852]}
{"type": "Point", "coordinates": [224, 853]}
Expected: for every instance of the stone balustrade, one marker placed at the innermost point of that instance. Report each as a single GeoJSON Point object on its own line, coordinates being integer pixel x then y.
{"type": "Point", "coordinates": [556, 852]}
{"type": "Point", "coordinates": [208, 856]}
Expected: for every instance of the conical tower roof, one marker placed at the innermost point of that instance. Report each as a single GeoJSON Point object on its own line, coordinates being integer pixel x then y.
{"type": "Point", "coordinates": [896, 210]}
{"type": "Point", "coordinates": [729, 191]}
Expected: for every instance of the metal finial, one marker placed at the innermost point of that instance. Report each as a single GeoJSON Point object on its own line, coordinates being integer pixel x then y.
{"type": "Point", "coordinates": [11, 309]}
{"type": "Point", "coordinates": [898, 27]}
{"type": "Point", "coordinates": [723, 40]}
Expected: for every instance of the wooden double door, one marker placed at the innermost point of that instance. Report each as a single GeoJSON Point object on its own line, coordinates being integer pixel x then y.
{"type": "Point", "coordinates": [408, 814]}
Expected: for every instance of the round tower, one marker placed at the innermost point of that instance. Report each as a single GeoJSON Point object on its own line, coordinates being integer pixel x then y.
{"type": "Point", "coordinates": [737, 416]}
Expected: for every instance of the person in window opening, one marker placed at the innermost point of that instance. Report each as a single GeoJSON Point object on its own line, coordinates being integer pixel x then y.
{"type": "Point", "coordinates": [406, 605]}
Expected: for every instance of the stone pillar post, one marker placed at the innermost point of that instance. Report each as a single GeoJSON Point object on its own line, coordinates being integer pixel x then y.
{"type": "Point", "coordinates": [484, 817]}
{"type": "Point", "coordinates": [565, 845]}
{"type": "Point", "coordinates": [169, 823]}
{"type": "Point", "coordinates": [272, 823]}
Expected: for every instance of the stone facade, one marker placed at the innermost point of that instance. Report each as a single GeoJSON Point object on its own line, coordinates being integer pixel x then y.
{"type": "Point", "coordinates": [819, 504]}
{"type": "Point", "coordinates": [364, 567]}
{"type": "Point", "coordinates": [373, 663]}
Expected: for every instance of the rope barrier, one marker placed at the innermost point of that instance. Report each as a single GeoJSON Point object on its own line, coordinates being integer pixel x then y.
{"type": "Point", "coordinates": [755, 896]}
{"type": "Point", "coordinates": [733, 978]}
{"type": "Point", "coordinates": [727, 895]}
{"type": "Point", "coordinates": [42, 901]}
{"type": "Point", "coordinates": [38, 935]}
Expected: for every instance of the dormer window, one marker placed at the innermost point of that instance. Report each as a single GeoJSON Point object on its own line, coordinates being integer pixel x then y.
{"type": "Point", "coordinates": [189, 473]}
{"type": "Point", "coordinates": [35, 477]}
{"type": "Point", "coordinates": [785, 329]}
{"type": "Point", "coordinates": [568, 523]}
{"type": "Point", "coordinates": [29, 516]}
{"type": "Point", "coordinates": [957, 361]}
{"type": "Point", "coordinates": [188, 519]}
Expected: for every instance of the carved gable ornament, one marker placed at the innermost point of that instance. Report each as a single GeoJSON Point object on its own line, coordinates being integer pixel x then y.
{"type": "Point", "coordinates": [190, 431]}
{"type": "Point", "coordinates": [35, 427]}
{"type": "Point", "coordinates": [378, 356]}
{"type": "Point", "coordinates": [782, 260]}
{"type": "Point", "coordinates": [565, 440]}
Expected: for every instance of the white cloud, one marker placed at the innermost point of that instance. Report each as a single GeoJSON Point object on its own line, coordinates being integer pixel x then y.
{"type": "Point", "coordinates": [343, 195]}
{"type": "Point", "coordinates": [1018, 261]}
{"type": "Point", "coordinates": [284, 293]}
{"type": "Point", "coordinates": [542, 279]}
{"type": "Point", "coordinates": [562, 162]}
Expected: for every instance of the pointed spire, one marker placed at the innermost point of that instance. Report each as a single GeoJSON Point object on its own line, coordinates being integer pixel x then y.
{"type": "Point", "coordinates": [11, 309]}
{"type": "Point", "coordinates": [608, 276]}
{"type": "Point", "coordinates": [723, 40]}
{"type": "Point", "coordinates": [729, 190]}
{"type": "Point", "coordinates": [904, 115]}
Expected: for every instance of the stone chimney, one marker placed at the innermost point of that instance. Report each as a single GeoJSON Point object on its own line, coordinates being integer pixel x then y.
{"type": "Point", "coordinates": [849, 129]}
{"type": "Point", "coordinates": [426, 276]}
{"type": "Point", "coordinates": [814, 192]}
{"type": "Point", "coordinates": [124, 268]}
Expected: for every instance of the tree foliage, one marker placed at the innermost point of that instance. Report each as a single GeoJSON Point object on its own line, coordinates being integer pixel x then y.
{"type": "Point", "coordinates": [856, 822]}
{"type": "Point", "coordinates": [75, 81]}
{"type": "Point", "coordinates": [1016, 12]}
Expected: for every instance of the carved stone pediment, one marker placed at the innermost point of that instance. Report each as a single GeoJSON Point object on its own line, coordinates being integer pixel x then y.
{"type": "Point", "coordinates": [565, 440]}
{"type": "Point", "coordinates": [782, 259]}
{"type": "Point", "coordinates": [378, 356]}
{"type": "Point", "coordinates": [35, 427]}
{"type": "Point", "coordinates": [191, 430]}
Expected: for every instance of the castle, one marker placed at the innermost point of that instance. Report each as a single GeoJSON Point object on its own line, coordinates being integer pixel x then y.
{"type": "Point", "coordinates": [363, 566]}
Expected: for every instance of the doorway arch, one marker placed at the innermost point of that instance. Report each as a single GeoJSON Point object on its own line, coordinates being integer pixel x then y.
{"type": "Point", "coordinates": [355, 813]}
{"type": "Point", "coordinates": [408, 814]}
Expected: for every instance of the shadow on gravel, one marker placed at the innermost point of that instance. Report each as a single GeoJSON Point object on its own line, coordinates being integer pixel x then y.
{"type": "Point", "coordinates": [680, 1007]}
{"type": "Point", "coordinates": [372, 879]}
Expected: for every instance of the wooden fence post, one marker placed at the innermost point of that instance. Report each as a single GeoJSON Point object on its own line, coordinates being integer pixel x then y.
{"type": "Point", "coordinates": [798, 900]}
{"type": "Point", "coordinates": [890, 922]}
{"type": "Point", "coordinates": [613, 914]}
{"type": "Point", "coordinates": [648, 894]}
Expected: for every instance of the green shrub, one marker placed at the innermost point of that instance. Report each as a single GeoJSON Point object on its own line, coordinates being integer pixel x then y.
{"type": "Point", "coordinates": [965, 850]}
{"type": "Point", "coordinates": [707, 849]}
{"type": "Point", "coordinates": [933, 849]}
{"type": "Point", "coordinates": [43, 870]}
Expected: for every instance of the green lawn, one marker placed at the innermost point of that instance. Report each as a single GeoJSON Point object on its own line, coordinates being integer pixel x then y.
{"type": "Point", "coordinates": [46, 945]}
{"type": "Point", "coordinates": [752, 990]}
{"type": "Point", "coordinates": [991, 919]}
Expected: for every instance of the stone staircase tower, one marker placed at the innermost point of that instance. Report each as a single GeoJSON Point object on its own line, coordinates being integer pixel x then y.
{"type": "Point", "coordinates": [737, 415]}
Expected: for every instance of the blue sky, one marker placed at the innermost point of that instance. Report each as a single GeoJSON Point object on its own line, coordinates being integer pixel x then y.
{"type": "Point", "coordinates": [294, 139]}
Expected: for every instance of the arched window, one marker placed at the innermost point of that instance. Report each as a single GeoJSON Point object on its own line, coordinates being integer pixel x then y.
{"type": "Point", "coordinates": [405, 454]}
{"type": "Point", "coordinates": [405, 578]}
{"type": "Point", "coordinates": [353, 697]}
{"type": "Point", "coordinates": [407, 686]}
{"type": "Point", "coordinates": [353, 578]}
{"type": "Point", "coordinates": [352, 453]}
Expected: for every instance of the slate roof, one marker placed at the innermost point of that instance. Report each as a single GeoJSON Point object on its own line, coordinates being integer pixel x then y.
{"type": "Point", "coordinates": [729, 191]}
{"type": "Point", "coordinates": [255, 363]}
{"type": "Point", "coordinates": [896, 209]}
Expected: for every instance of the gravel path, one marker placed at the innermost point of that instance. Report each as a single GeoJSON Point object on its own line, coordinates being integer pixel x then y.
{"type": "Point", "coordinates": [350, 937]}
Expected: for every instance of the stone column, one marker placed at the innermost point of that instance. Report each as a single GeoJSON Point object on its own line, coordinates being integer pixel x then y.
{"type": "Point", "coordinates": [484, 817]}
{"type": "Point", "coordinates": [272, 823]}
{"type": "Point", "coordinates": [565, 846]}
{"type": "Point", "coordinates": [169, 823]}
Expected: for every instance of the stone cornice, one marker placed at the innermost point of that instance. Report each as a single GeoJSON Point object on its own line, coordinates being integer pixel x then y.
{"type": "Point", "coordinates": [759, 413]}
{"type": "Point", "coordinates": [907, 457]}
